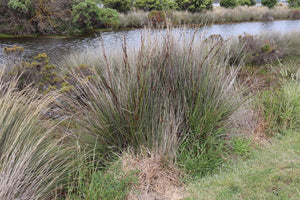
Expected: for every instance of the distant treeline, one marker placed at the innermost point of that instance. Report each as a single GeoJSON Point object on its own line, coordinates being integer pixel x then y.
{"type": "Point", "coordinates": [23, 17]}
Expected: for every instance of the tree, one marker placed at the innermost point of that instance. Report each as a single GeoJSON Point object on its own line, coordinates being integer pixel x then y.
{"type": "Point", "coordinates": [294, 3]}
{"type": "Point", "coordinates": [247, 2]}
{"type": "Point", "coordinates": [38, 16]}
{"type": "Point", "coordinates": [88, 15]}
{"type": "Point", "coordinates": [149, 5]}
{"type": "Point", "coordinates": [269, 3]}
{"type": "Point", "coordinates": [228, 3]}
{"type": "Point", "coordinates": [119, 5]}
{"type": "Point", "coordinates": [194, 5]}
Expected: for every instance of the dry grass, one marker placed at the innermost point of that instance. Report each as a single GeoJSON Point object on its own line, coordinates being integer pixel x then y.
{"type": "Point", "coordinates": [158, 178]}
{"type": "Point", "coordinates": [237, 14]}
{"type": "Point", "coordinates": [134, 19]}
{"type": "Point", "coordinates": [33, 164]}
{"type": "Point", "coordinates": [138, 19]}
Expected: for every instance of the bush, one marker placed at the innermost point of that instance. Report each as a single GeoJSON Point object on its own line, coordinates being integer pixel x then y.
{"type": "Point", "coordinates": [18, 5]}
{"type": "Point", "coordinates": [269, 3]}
{"type": "Point", "coordinates": [228, 3]}
{"type": "Point", "coordinates": [157, 17]}
{"type": "Point", "coordinates": [194, 5]}
{"type": "Point", "coordinates": [247, 2]}
{"type": "Point", "coordinates": [39, 73]}
{"type": "Point", "coordinates": [259, 52]}
{"type": "Point", "coordinates": [294, 3]}
{"type": "Point", "coordinates": [88, 15]}
{"type": "Point", "coordinates": [149, 5]}
{"type": "Point", "coordinates": [170, 93]}
{"type": "Point", "coordinates": [119, 5]}
{"type": "Point", "coordinates": [109, 18]}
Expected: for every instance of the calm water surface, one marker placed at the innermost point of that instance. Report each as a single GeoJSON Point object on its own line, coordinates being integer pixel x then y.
{"type": "Point", "coordinates": [58, 47]}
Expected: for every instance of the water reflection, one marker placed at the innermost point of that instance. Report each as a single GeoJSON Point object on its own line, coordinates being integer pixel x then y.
{"type": "Point", "coordinates": [58, 47]}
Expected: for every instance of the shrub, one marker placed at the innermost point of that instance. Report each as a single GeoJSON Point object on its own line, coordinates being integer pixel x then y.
{"type": "Point", "coordinates": [247, 2]}
{"type": "Point", "coordinates": [88, 15]}
{"type": "Point", "coordinates": [39, 73]}
{"type": "Point", "coordinates": [294, 3]}
{"type": "Point", "coordinates": [119, 5]}
{"type": "Point", "coordinates": [194, 5]}
{"type": "Point", "coordinates": [23, 5]}
{"type": "Point", "coordinates": [149, 5]}
{"type": "Point", "coordinates": [157, 17]}
{"type": "Point", "coordinates": [109, 18]}
{"type": "Point", "coordinates": [228, 3]}
{"type": "Point", "coordinates": [269, 3]}
{"type": "Point", "coordinates": [259, 52]}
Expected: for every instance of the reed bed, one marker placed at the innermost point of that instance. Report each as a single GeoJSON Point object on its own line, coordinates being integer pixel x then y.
{"type": "Point", "coordinates": [138, 19]}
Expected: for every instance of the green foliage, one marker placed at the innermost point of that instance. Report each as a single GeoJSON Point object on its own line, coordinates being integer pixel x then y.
{"type": "Point", "coordinates": [294, 3]}
{"type": "Point", "coordinates": [88, 15]}
{"type": "Point", "coordinates": [269, 3]}
{"type": "Point", "coordinates": [194, 5]}
{"type": "Point", "coordinates": [228, 3]}
{"type": "Point", "coordinates": [241, 146]}
{"type": "Point", "coordinates": [149, 5]}
{"type": "Point", "coordinates": [259, 52]}
{"type": "Point", "coordinates": [93, 184]}
{"type": "Point", "coordinates": [157, 17]}
{"type": "Point", "coordinates": [119, 5]}
{"type": "Point", "coordinates": [269, 173]}
{"type": "Point", "coordinates": [200, 158]}
{"type": "Point", "coordinates": [38, 73]}
{"type": "Point", "coordinates": [247, 2]}
{"type": "Point", "coordinates": [20, 5]}
{"type": "Point", "coordinates": [281, 108]}
{"type": "Point", "coordinates": [109, 18]}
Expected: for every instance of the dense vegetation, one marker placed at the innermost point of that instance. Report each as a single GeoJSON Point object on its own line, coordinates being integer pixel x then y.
{"type": "Point", "coordinates": [65, 17]}
{"type": "Point", "coordinates": [131, 122]}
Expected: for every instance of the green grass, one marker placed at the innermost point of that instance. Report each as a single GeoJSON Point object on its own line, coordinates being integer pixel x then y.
{"type": "Point", "coordinates": [272, 172]}
{"type": "Point", "coordinates": [171, 92]}
{"type": "Point", "coordinates": [173, 96]}
{"type": "Point", "coordinates": [93, 184]}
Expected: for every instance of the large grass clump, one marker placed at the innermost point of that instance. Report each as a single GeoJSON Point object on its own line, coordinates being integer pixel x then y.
{"type": "Point", "coordinates": [171, 95]}
{"type": "Point", "coordinates": [33, 161]}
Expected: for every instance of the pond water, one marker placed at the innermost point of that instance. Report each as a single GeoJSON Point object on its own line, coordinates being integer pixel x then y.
{"type": "Point", "coordinates": [58, 47]}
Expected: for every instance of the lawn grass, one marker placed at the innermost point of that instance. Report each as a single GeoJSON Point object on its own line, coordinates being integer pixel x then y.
{"type": "Point", "coordinates": [272, 172]}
